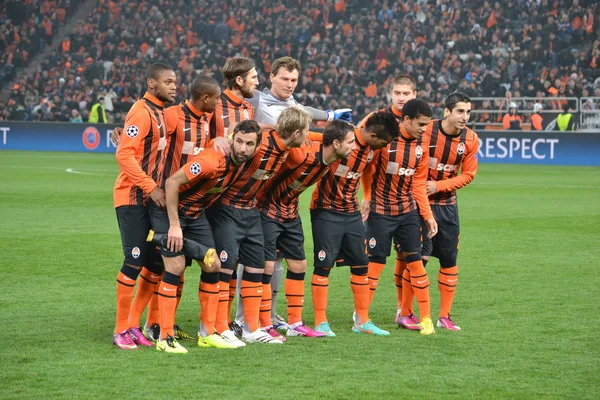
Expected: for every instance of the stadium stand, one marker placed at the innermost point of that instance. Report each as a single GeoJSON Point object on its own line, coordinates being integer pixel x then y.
{"type": "Point", "coordinates": [348, 50]}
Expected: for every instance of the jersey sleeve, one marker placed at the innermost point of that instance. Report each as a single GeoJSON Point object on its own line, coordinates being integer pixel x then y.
{"type": "Point", "coordinates": [364, 121]}
{"type": "Point", "coordinates": [314, 136]}
{"type": "Point", "coordinates": [172, 118]}
{"type": "Point", "coordinates": [296, 156]}
{"type": "Point", "coordinates": [368, 173]}
{"type": "Point", "coordinates": [137, 126]}
{"type": "Point", "coordinates": [204, 166]}
{"type": "Point", "coordinates": [468, 170]}
{"type": "Point", "coordinates": [419, 187]}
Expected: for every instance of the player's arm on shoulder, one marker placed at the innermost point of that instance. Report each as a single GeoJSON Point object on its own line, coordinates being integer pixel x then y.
{"type": "Point", "coordinates": [345, 114]}
{"type": "Point", "coordinates": [419, 184]}
{"type": "Point", "coordinates": [171, 118]}
{"type": "Point", "coordinates": [368, 174]}
{"type": "Point", "coordinates": [468, 169]}
{"type": "Point", "coordinates": [137, 125]}
{"type": "Point", "coordinates": [314, 137]}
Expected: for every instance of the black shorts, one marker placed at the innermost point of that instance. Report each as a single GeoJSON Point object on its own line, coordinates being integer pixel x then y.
{"type": "Point", "coordinates": [283, 239]}
{"type": "Point", "coordinates": [404, 229]}
{"type": "Point", "coordinates": [444, 245]}
{"type": "Point", "coordinates": [159, 220]}
{"type": "Point", "coordinates": [134, 224]}
{"type": "Point", "coordinates": [338, 235]}
{"type": "Point", "coordinates": [238, 236]}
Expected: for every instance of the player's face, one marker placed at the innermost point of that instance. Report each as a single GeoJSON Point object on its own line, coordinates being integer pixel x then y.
{"type": "Point", "coordinates": [209, 102]}
{"type": "Point", "coordinates": [346, 146]}
{"type": "Point", "coordinates": [459, 116]}
{"type": "Point", "coordinates": [401, 94]}
{"type": "Point", "coordinates": [243, 146]}
{"type": "Point", "coordinates": [250, 84]}
{"type": "Point", "coordinates": [299, 137]}
{"type": "Point", "coordinates": [284, 83]}
{"type": "Point", "coordinates": [415, 127]}
{"type": "Point", "coordinates": [164, 87]}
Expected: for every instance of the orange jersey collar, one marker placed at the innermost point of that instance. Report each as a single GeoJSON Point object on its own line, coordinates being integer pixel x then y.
{"type": "Point", "coordinates": [396, 112]}
{"type": "Point", "coordinates": [193, 109]}
{"type": "Point", "coordinates": [154, 100]}
{"type": "Point", "coordinates": [359, 139]}
{"type": "Point", "coordinates": [233, 97]}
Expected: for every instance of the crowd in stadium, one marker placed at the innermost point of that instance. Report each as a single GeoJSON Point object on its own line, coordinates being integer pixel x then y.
{"type": "Point", "coordinates": [348, 50]}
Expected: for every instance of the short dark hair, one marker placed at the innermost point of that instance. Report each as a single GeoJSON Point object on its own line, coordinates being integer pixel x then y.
{"type": "Point", "coordinates": [337, 129]}
{"type": "Point", "coordinates": [248, 126]}
{"type": "Point", "coordinates": [237, 66]}
{"type": "Point", "coordinates": [404, 79]}
{"type": "Point", "coordinates": [383, 124]}
{"type": "Point", "coordinates": [566, 107]}
{"type": "Point", "coordinates": [288, 63]}
{"type": "Point", "coordinates": [454, 98]}
{"type": "Point", "coordinates": [154, 70]}
{"type": "Point", "coordinates": [203, 84]}
{"type": "Point", "coordinates": [415, 108]}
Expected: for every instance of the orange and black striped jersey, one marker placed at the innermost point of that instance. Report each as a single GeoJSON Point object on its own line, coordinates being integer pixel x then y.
{"type": "Point", "coordinates": [187, 135]}
{"type": "Point", "coordinates": [303, 167]}
{"type": "Point", "coordinates": [267, 160]}
{"type": "Point", "coordinates": [391, 109]}
{"type": "Point", "coordinates": [339, 187]}
{"type": "Point", "coordinates": [230, 110]}
{"type": "Point", "coordinates": [395, 181]}
{"type": "Point", "coordinates": [210, 173]}
{"type": "Point", "coordinates": [139, 151]}
{"type": "Point", "coordinates": [448, 154]}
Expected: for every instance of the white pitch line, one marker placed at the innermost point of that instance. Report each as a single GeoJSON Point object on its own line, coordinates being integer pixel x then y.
{"type": "Point", "coordinates": [536, 185]}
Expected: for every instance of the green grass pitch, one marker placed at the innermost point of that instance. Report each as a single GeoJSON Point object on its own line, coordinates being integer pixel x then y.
{"type": "Point", "coordinates": [527, 301]}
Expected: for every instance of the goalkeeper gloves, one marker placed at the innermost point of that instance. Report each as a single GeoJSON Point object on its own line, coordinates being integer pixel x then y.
{"type": "Point", "coordinates": [345, 114]}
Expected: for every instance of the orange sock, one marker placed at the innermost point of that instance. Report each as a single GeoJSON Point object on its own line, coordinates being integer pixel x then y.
{"type": "Point", "coordinates": [294, 294]}
{"type": "Point", "coordinates": [180, 290]}
{"type": "Point", "coordinates": [232, 291]}
{"type": "Point", "coordinates": [125, 286]}
{"type": "Point", "coordinates": [145, 290]}
{"type": "Point", "coordinates": [320, 287]}
{"type": "Point", "coordinates": [266, 302]}
{"type": "Point", "coordinates": [251, 294]}
{"type": "Point", "coordinates": [407, 294]}
{"type": "Point", "coordinates": [223, 309]}
{"type": "Point", "coordinates": [398, 271]}
{"type": "Point", "coordinates": [375, 270]}
{"type": "Point", "coordinates": [208, 294]}
{"type": "Point", "coordinates": [447, 281]}
{"type": "Point", "coordinates": [360, 282]}
{"type": "Point", "coordinates": [153, 316]}
{"type": "Point", "coordinates": [420, 285]}
{"type": "Point", "coordinates": [167, 301]}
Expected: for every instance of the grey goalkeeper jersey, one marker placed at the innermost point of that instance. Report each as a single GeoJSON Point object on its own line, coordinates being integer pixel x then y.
{"type": "Point", "coordinates": [267, 107]}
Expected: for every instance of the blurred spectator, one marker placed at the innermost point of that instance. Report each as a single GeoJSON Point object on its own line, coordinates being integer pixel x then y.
{"type": "Point", "coordinates": [512, 120]}
{"type": "Point", "coordinates": [75, 117]}
{"type": "Point", "coordinates": [565, 120]}
{"type": "Point", "coordinates": [97, 112]}
{"type": "Point", "coordinates": [536, 118]}
{"type": "Point", "coordinates": [348, 49]}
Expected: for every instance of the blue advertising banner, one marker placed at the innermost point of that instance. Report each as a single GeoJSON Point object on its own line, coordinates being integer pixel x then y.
{"type": "Point", "coordinates": [555, 148]}
{"type": "Point", "coordinates": [56, 136]}
{"type": "Point", "coordinates": [514, 147]}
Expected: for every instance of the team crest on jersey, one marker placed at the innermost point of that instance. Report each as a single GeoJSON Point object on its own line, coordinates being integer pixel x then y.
{"type": "Point", "coordinates": [372, 243]}
{"type": "Point", "coordinates": [322, 255]}
{"type": "Point", "coordinates": [418, 152]}
{"type": "Point", "coordinates": [135, 252]}
{"type": "Point", "coordinates": [195, 168]}
{"type": "Point", "coordinates": [223, 256]}
{"type": "Point", "coordinates": [460, 148]}
{"type": "Point", "coordinates": [132, 131]}
{"type": "Point", "coordinates": [370, 156]}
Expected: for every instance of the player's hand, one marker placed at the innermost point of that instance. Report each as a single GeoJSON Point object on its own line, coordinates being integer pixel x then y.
{"type": "Point", "coordinates": [222, 145]}
{"type": "Point", "coordinates": [158, 197]}
{"type": "Point", "coordinates": [432, 227]}
{"type": "Point", "coordinates": [431, 188]}
{"type": "Point", "coordinates": [345, 114]}
{"type": "Point", "coordinates": [116, 135]}
{"type": "Point", "coordinates": [175, 239]}
{"type": "Point", "coordinates": [365, 209]}
{"type": "Point", "coordinates": [308, 142]}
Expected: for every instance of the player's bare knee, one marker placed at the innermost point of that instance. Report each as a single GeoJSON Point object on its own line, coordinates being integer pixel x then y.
{"type": "Point", "coordinates": [253, 270]}
{"type": "Point", "coordinates": [297, 266]}
{"type": "Point", "coordinates": [269, 267]}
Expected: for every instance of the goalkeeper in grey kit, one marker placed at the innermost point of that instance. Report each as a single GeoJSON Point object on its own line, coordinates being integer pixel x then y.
{"type": "Point", "coordinates": [268, 104]}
